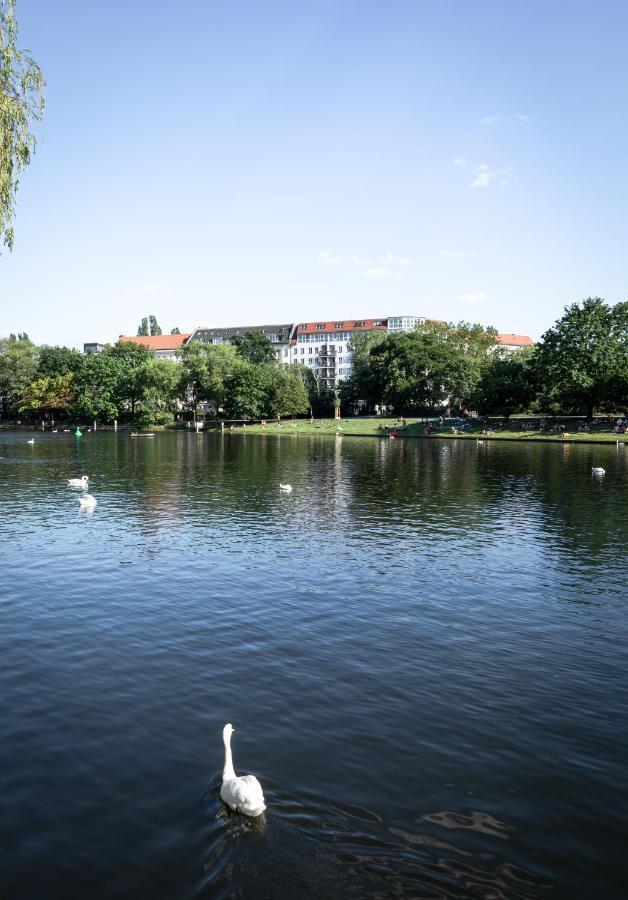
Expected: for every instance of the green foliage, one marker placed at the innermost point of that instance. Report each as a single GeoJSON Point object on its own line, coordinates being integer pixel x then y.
{"type": "Point", "coordinates": [21, 103]}
{"type": "Point", "coordinates": [175, 331]}
{"type": "Point", "coordinates": [247, 390]}
{"type": "Point", "coordinates": [153, 325]}
{"type": "Point", "coordinates": [97, 387]}
{"type": "Point", "coordinates": [507, 385]}
{"type": "Point", "coordinates": [288, 395]}
{"type": "Point", "coordinates": [422, 369]}
{"type": "Point", "coordinates": [18, 365]}
{"type": "Point", "coordinates": [142, 328]}
{"type": "Point", "coordinates": [205, 370]}
{"type": "Point", "coordinates": [51, 393]}
{"type": "Point", "coordinates": [59, 361]}
{"type": "Point", "coordinates": [582, 360]}
{"type": "Point", "coordinates": [254, 347]}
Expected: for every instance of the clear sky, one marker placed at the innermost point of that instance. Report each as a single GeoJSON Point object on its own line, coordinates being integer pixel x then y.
{"type": "Point", "coordinates": [242, 162]}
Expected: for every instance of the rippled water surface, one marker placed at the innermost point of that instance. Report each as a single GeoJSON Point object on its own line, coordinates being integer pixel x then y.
{"type": "Point", "coordinates": [422, 649]}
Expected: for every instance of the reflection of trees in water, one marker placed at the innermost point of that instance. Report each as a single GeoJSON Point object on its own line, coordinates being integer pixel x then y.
{"type": "Point", "coordinates": [438, 490]}
{"type": "Point", "coordinates": [552, 486]}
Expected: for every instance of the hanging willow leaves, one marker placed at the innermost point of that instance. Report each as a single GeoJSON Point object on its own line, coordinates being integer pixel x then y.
{"type": "Point", "coordinates": [21, 103]}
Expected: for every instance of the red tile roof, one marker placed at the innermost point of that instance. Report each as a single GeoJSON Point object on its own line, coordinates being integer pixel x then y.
{"type": "Point", "coordinates": [156, 341]}
{"type": "Point", "coordinates": [515, 340]}
{"type": "Point", "coordinates": [341, 325]}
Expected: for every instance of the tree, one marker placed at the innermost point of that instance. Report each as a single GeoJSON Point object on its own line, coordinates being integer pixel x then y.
{"type": "Point", "coordinates": [130, 383]}
{"type": "Point", "coordinates": [175, 331]}
{"type": "Point", "coordinates": [507, 386]}
{"type": "Point", "coordinates": [21, 103]}
{"type": "Point", "coordinates": [254, 347]}
{"type": "Point", "coordinates": [247, 391]}
{"type": "Point", "coordinates": [52, 393]}
{"type": "Point", "coordinates": [160, 382]}
{"type": "Point", "coordinates": [205, 370]}
{"type": "Point", "coordinates": [18, 364]}
{"type": "Point", "coordinates": [58, 361]}
{"type": "Point", "coordinates": [288, 395]}
{"type": "Point", "coordinates": [142, 328]}
{"type": "Point", "coordinates": [422, 369]}
{"type": "Point", "coordinates": [582, 360]}
{"type": "Point", "coordinates": [153, 325]}
{"type": "Point", "coordinates": [97, 387]}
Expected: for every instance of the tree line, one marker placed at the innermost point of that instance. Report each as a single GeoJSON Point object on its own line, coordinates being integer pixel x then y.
{"type": "Point", "coordinates": [579, 366]}
{"type": "Point", "coordinates": [128, 383]}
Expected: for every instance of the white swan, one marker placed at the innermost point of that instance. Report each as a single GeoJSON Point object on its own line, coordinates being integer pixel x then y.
{"type": "Point", "coordinates": [79, 482]}
{"type": "Point", "coordinates": [242, 794]}
{"type": "Point", "coordinates": [32, 441]}
{"type": "Point", "coordinates": [87, 500]}
{"type": "Point", "coordinates": [598, 470]}
{"type": "Point", "coordinates": [285, 487]}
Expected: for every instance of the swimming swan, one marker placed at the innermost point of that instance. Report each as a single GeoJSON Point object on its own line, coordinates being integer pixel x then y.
{"type": "Point", "coordinates": [32, 441]}
{"type": "Point", "coordinates": [285, 487]}
{"type": "Point", "coordinates": [598, 470]}
{"type": "Point", "coordinates": [87, 500]}
{"type": "Point", "coordinates": [242, 794]}
{"type": "Point", "coordinates": [79, 482]}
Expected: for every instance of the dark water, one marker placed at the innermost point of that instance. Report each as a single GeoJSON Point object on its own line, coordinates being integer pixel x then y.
{"type": "Point", "coordinates": [422, 649]}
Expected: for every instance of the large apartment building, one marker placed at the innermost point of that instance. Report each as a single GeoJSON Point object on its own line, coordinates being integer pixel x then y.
{"type": "Point", "coordinates": [324, 346]}
{"type": "Point", "coordinates": [280, 336]}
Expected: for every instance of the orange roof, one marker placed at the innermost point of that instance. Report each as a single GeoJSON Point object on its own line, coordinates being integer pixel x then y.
{"type": "Point", "coordinates": [341, 325]}
{"type": "Point", "coordinates": [156, 341]}
{"type": "Point", "coordinates": [515, 340]}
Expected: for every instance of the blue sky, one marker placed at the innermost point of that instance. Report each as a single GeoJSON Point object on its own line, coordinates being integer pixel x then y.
{"type": "Point", "coordinates": [226, 163]}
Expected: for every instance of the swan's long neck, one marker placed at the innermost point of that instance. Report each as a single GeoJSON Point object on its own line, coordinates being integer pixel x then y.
{"type": "Point", "coordinates": [228, 771]}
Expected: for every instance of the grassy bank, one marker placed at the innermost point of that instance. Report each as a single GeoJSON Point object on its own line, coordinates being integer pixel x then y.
{"type": "Point", "coordinates": [417, 428]}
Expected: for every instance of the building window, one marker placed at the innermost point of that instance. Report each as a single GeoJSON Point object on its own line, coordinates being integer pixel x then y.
{"type": "Point", "coordinates": [310, 349]}
{"type": "Point", "coordinates": [358, 324]}
{"type": "Point", "coordinates": [339, 325]}
{"type": "Point", "coordinates": [320, 327]}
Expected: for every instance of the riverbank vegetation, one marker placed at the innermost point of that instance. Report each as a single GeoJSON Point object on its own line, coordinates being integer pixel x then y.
{"type": "Point", "coordinates": [579, 368]}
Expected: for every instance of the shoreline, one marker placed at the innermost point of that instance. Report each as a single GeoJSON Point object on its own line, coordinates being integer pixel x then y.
{"type": "Point", "coordinates": [597, 440]}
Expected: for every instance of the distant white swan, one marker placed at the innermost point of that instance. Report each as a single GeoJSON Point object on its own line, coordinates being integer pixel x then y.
{"type": "Point", "coordinates": [79, 482]}
{"type": "Point", "coordinates": [242, 794]}
{"type": "Point", "coordinates": [285, 487]}
{"type": "Point", "coordinates": [87, 500]}
{"type": "Point", "coordinates": [598, 470]}
{"type": "Point", "coordinates": [32, 441]}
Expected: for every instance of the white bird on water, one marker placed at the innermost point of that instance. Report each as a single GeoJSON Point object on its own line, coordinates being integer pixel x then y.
{"type": "Point", "coordinates": [32, 441]}
{"type": "Point", "coordinates": [79, 482]}
{"type": "Point", "coordinates": [88, 501]}
{"type": "Point", "coordinates": [598, 470]}
{"type": "Point", "coordinates": [286, 488]}
{"type": "Point", "coordinates": [242, 794]}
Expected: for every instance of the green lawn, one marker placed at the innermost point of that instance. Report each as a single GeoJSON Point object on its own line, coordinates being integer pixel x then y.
{"type": "Point", "coordinates": [382, 427]}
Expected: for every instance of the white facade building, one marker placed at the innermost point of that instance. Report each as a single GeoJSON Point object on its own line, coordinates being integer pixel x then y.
{"type": "Point", "coordinates": [324, 347]}
{"type": "Point", "coordinates": [404, 323]}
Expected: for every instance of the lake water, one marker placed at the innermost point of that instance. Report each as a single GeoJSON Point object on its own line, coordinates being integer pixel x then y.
{"type": "Point", "coordinates": [422, 650]}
